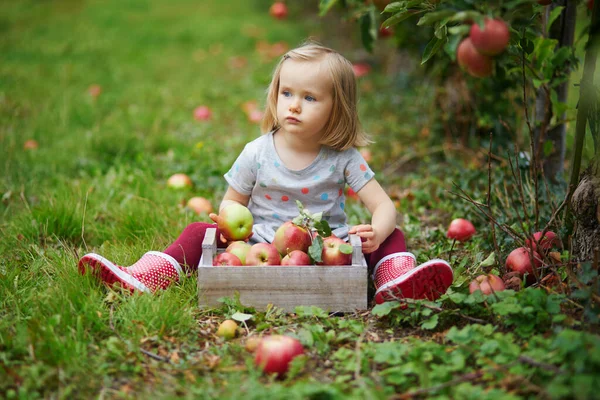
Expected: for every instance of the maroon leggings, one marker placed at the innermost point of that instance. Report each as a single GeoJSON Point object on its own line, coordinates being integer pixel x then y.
{"type": "Point", "coordinates": [187, 249]}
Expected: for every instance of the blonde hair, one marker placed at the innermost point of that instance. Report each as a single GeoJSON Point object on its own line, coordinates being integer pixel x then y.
{"type": "Point", "coordinates": [343, 129]}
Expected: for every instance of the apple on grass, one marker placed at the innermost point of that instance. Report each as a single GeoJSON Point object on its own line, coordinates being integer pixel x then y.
{"type": "Point", "coordinates": [227, 260]}
{"type": "Point", "coordinates": [520, 260]}
{"type": "Point", "coordinates": [240, 249]}
{"type": "Point", "coordinates": [179, 181]}
{"type": "Point", "coordinates": [278, 10]}
{"type": "Point", "coordinates": [202, 113]}
{"type": "Point", "coordinates": [488, 284]}
{"type": "Point", "coordinates": [476, 64]}
{"type": "Point", "coordinates": [200, 205]}
{"type": "Point", "coordinates": [296, 257]}
{"type": "Point", "coordinates": [235, 222]}
{"type": "Point", "coordinates": [263, 254]}
{"type": "Point", "coordinates": [492, 39]}
{"type": "Point", "coordinates": [336, 252]}
{"type": "Point", "coordinates": [460, 229]}
{"type": "Point", "coordinates": [537, 242]}
{"type": "Point", "coordinates": [274, 354]}
{"type": "Point", "coordinates": [228, 329]}
{"type": "Point", "coordinates": [290, 237]}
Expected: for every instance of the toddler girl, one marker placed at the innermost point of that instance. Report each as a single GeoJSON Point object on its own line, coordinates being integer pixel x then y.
{"type": "Point", "coordinates": [308, 154]}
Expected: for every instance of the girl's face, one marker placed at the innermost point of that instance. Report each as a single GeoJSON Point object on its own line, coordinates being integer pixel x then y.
{"type": "Point", "coordinates": [305, 100]}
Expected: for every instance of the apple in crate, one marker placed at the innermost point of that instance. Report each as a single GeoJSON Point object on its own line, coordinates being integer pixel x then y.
{"type": "Point", "coordinates": [274, 353]}
{"type": "Point", "coordinates": [520, 260]}
{"type": "Point", "coordinates": [240, 249]}
{"type": "Point", "coordinates": [336, 252]}
{"type": "Point", "coordinates": [235, 222]}
{"type": "Point", "coordinates": [487, 284]}
{"type": "Point", "coordinates": [296, 257]}
{"type": "Point", "coordinates": [263, 254]}
{"type": "Point", "coordinates": [290, 237]}
{"type": "Point", "coordinates": [227, 259]}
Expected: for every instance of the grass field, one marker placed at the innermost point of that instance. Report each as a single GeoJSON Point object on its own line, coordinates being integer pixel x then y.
{"type": "Point", "coordinates": [97, 182]}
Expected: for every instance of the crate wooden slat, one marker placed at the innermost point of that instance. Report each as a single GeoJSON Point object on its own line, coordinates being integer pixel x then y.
{"type": "Point", "coordinates": [333, 288]}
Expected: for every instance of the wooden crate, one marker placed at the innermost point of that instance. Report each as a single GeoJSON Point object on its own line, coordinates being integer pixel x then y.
{"type": "Point", "coordinates": [332, 288]}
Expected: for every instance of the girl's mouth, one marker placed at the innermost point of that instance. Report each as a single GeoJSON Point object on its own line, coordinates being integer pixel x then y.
{"type": "Point", "coordinates": [292, 120]}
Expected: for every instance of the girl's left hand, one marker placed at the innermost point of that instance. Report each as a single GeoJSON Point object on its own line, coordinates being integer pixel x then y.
{"type": "Point", "coordinates": [368, 236]}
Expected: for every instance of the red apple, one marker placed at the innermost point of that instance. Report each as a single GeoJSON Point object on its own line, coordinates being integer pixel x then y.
{"type": "Point", "coordinates": [235, 222]}
{"type": "Point", "coordinates": [460, 229]}
{"type": "Point", "coordinates": [278, 10]}
{"type": "Point", "coordinates": [493, 39]}
{"type": "Point", "coordinates": [296, 257]}
{"type": "Point", "coordinates": [202, 113]}
{"type": "Point", "coordinates": [274, 353]}
{"type": "Point", "coordinates": [227, 260]}
{"type": "Point", "coordinates": [351, 194]}
{"type": "Point", "coordinates": [240, 249]}
{"type": "Point", "coordinates": [519, 260]}
{"type": "Point", "coordinates": [336, 252]}
{"type": "Point", "coordinates": [227, 329]}
{"type": "Point", "coordinates": [366, 154]}
{"type": "Point", "coordinates": [361, 69]}
{"type": "Point", "coordinates": [290, 237]}
{"type": "Point", "coordinates": [546, 243]}
{"type": "Point", "coordinates": [263, 254]}
{"type": "Point", "coordinates": [385, 32]}
{"type": "Point", "coordinates": [94, 90]}
{"type": "Point", "coordinates": [30, 144]}
{"type": "Point", "coordinates": [200, 205]}
{"type": "Point", "coordinates": [487, 284]}
{"type": "Point", "coordinates": [474, 62]}
{"type": "Point", "coordinates": [179, 181]}
{"type": "Point", "coordinates": [255, 116]}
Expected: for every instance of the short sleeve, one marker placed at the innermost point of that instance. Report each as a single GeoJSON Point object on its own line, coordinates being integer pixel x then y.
{"type": "Point", "coordinates": [242, 174]}
{"type": "Point", "coordinates": [357, 172]}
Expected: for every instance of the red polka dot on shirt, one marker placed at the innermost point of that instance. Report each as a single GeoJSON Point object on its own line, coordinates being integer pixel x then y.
{"type": "Point", "coordinates": [284, 198]}
{"type": "Point", "coordinates": [363, 167]}
{"type": "Point", "coordinates": [267, 197]}
{"type": "Point", "coordinates": [305, 190]}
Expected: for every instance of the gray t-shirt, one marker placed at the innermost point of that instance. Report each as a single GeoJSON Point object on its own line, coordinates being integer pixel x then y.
{"type": "Point", "coordinates": [274, 189]}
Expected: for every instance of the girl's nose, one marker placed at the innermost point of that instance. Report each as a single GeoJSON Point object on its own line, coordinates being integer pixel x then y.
{"type": "Point", "coordinates": [295, 106]}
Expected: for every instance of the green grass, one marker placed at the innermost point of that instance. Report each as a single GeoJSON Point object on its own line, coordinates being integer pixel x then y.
{"type": "Point", "coordinates": [97, 183]}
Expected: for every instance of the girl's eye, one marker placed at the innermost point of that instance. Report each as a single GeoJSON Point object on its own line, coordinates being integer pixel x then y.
{"type": "Point", "coordinates": [285, 93]}
{"type": "Point", "coordinates": [310, 98]}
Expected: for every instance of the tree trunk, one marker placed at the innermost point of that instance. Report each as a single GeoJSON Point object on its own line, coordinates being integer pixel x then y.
{"type": "Point", "coordinates": [562, 30]}
{"type": "Point", "coordinates": [585, 201]}
{"type": "Point", "coordinates": [585, 204]}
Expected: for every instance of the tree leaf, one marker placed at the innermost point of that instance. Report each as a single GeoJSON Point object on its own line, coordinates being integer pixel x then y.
{"type": "Point", "coordinates": [430, 18]}
{"type": "Point", "coordinates": [368, 30]}
{"type": "Point", "coordinates": [397, 18]}
{"type": "Point", "coordinates": [315, 250]}
{"type": "Point", "coordinates": [325, 6]}
{"type": "Point", "coordinates": [554, 14]}
{"type": "Point", "coordinates": [323, 228]}
{"type": "Point", "coordinates": [432, 47]}
{"type": "Point", "coordinates": [345, 248]}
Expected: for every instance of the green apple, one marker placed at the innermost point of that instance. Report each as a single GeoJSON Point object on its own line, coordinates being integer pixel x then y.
{"type": "Point", "coordinates": [235, 222]}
